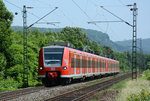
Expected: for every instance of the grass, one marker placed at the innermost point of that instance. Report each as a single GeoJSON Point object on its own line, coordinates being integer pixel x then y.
{"type": "Point", "coordinates": [115, 88]}
{"type": "Point", "coordinates": [119, 85]}
{"type": "Point", "coordinates": [133, 87]}
{"type": "Point", "coordinates": [130, 90]}
{"type": "Point", "coordinates": [136, 90]}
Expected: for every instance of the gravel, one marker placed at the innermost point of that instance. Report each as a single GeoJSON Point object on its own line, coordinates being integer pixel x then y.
{"type": "Point", "coordinates": [48, 92]}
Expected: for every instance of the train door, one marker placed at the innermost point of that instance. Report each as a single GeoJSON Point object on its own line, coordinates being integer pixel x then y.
{"type": "Point", "coordinates": [71, 55]}
{"type": "Point", "coordinates": [93, 65]}
{"type": "Point", "coordinates": [77, 64]}
{"type": "Point", "coordinates": [81, 65]}
{"type": "Point", "coordinates": [98, 65]}
{"type": "Point", "coordinates": [108, 66]}
{"type": "Point", "coordinates": [89, 65]}
{"type": "Point", "coordinates": [111, 66]}
{"type": "Point", "coordinates": [85, 67]}
{"type": "Point", "coordinates": [104, 65]}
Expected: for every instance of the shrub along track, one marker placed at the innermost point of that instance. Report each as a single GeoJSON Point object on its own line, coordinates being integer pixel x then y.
{"type": "Point", "coordinates": [17, 93]}
{"type": "Point", "coordinates": [84, 93]}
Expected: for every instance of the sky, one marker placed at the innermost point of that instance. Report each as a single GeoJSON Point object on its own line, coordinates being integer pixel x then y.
{"type": "Point", "coordinates": [76, 13]}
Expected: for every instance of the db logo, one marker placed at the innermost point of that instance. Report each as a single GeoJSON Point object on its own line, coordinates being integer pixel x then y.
{"type": "Point", "coordinates": [52, 68]}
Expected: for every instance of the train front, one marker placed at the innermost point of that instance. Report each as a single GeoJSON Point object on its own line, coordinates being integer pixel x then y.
{"type": "Point", "coordinates": [51, 64]}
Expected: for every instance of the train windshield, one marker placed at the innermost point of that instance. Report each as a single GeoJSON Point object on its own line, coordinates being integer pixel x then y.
{"type": "Point", "coordinates": [53, 57]}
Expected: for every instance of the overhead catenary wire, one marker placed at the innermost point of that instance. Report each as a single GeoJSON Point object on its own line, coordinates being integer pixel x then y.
{"type": "Point", "coordinates": [52, 23]}
{"type": "Point", "coordinates": [43, 17]}
{"type": "Point", "coordinates": [85, 13]}
{"type": "Point", "coordinates": [67, 17]}
{"type": "Point", "coordinates": [116, 16]}
{"type": "Point", "coordinates": [13, 4]}
{"type": "Point", "coordinates": [21, 9]}
{"type": "Point", "coordinates": [107, 26]}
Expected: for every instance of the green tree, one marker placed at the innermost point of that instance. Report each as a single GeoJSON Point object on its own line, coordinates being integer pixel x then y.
{"type": "Point", "coordinates": [5, 21]}
{"type": "Point", "coordinates": [74, 36]}
{"type": "Point", "coordinates": [109, 52]}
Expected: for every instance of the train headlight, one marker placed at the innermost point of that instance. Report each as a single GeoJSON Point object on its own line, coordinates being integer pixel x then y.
{"type": "Point", "coordinates": [64, 68]}
{"type": "Point", "coordinates": [41, 68]}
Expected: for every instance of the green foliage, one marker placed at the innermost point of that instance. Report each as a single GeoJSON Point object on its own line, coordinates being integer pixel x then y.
{"type": "Point", "coordinates": [5, 21]}
{"type": "Point", "coordinates": [148, 65]}
{"type": "Point", "coordinates": [3, 63]}
{"type": "Point", "coordinates": [144, 95]}
{"type": "Point", "coordinates": [146, 74]}
{"type": "Point", "coordinates": [124, 59]}
{"type": "Point", "coordinates": [8, 84]}
{"type": "Point", "coordinates": [96, 48]}
{"type": "Point", "coordinates": [74, 36]}
{"type": "Point", "coordinates": [108, 52]}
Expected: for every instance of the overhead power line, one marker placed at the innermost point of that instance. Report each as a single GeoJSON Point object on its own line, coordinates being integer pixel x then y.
{"type": "Point", "coordinates": [43, 17]}
{"type": "Point", "coordinates": [85, 13]}
{"type": "Point", "coordinates": [102, 21]}
{"type": "Point", "coordinates": [13, 4]}
{"type": "Point", "coordinates": [52, 23]}
{"type": "Point", "coordinates": [21, 9]}
{"type": "Point", "coordinates": [81, 9]}
{"type": "Point", "coordinates": [116, 16]}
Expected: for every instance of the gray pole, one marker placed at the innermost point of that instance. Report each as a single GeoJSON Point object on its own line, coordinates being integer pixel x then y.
{"type": "Point", "coordinates": [134, 43]}
{"type": "Point", "coordinates": [25, 51]}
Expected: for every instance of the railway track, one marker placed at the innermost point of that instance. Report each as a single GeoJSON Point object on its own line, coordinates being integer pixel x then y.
{"type": "Point", "coordinates": [4, 96]}
{"type": "Point", "coordinates": [84, 93]}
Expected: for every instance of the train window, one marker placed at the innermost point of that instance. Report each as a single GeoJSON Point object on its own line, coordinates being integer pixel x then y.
{"type": "Point", "coordinates": [78, 63]}
{"type": "Point", "coordinates": [104, 64]}
{"type": "Point", "coordinates": [98, 64]}
{"type": "Point", "coordinates": [81, 62]}
{"type": "Point", "coordinates": [89, 63]}
{"type": "Point", "coordinates": [53, 57]}
{"type": "Point", "coordinates": [95, 64]}
{"type": "Point", "coordinates": [72, 62]}
{"type": "Point", "coordinates": [101, 63]}
{"type": "Point", "coordinates": [85, 63]}
{"type": "Point", "coordinates": [108, 64]}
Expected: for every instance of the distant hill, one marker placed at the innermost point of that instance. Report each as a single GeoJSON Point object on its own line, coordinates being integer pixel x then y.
{"type": "Point", "coordinates": [128, 44]}
{"type": "Point", "coordinates": [100, 37]}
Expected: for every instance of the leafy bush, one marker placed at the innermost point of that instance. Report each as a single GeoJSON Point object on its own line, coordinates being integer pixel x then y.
{"type": "Point", "coordinates": [144, 95]}
{"type": "Point", "coordinates": [146, 74]}
{"type": "Point", "coordinates": [8, 84]}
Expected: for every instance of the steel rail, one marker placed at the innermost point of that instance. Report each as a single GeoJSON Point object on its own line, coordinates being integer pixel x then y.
{"type": "Point", "coordinates": [17, 93]}
{"type": "Point", "coordinates": [83, 93]}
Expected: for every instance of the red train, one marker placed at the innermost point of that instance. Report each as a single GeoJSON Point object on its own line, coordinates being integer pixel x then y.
{"type": "Point", "coordinates": [63, 64]}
